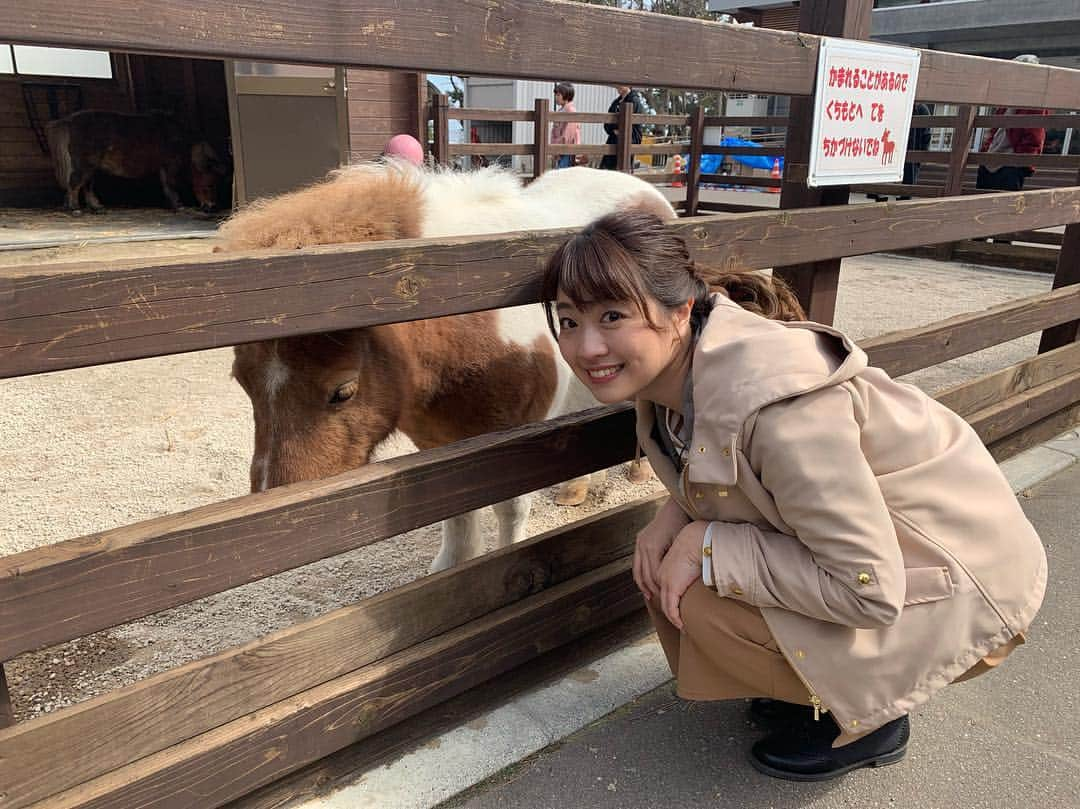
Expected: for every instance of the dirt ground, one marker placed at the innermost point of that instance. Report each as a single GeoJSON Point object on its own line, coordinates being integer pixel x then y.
{"type": "Point", "coordinates": [91, 449]}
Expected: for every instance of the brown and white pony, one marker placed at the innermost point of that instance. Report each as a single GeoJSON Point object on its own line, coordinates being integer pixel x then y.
{"type": "Point", "coordinates": [323, 402]}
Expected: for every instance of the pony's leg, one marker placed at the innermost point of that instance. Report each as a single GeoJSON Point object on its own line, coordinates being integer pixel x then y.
{"type": "Point", "coordinates": [513, 517]}
{"type": "Point", "coordinates": [168, 187]}
{"type": "Point", "coordinates": [461, 541]}
{"type": "Point", "coordinates": [92, 198]}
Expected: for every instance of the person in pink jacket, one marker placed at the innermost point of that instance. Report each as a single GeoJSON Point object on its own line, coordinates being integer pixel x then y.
{"type": "Point", "coordinates": [837, 545]}
{"type": "Point", "coordinates": [565, 132]}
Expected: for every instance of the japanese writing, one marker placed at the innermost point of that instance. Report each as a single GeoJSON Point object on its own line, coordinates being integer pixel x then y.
{"type": "Point", "coordinates": [861, 78]}
{"type": "Point", "coordinates": [851, 147]}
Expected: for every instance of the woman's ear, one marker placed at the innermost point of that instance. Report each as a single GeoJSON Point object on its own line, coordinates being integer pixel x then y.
{"type": "Point", "coordinates": [682, 314]}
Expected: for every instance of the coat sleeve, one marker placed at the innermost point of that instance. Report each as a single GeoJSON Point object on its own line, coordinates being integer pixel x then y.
{"type": "Point", "coordinates": [844, 565]}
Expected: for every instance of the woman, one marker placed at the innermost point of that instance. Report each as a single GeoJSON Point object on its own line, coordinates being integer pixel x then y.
{"type": "Point", "coordinates": [565, 132]}
{"type": "Point", "coordinates": [836, 544]}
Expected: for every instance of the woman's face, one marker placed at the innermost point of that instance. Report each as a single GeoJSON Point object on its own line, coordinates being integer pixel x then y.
{"type": "Point", "coordinates": [559, 100]}
{"type": "Point", "coordinates": [612, 348]}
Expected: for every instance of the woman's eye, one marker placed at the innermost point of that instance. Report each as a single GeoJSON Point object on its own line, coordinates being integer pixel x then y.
{"type": "Point", "coordinates": [566, 323]}
{"type": "Point", "coordinates": [611, 317]}
{"type": "Point", "coordinates": [345, 392]}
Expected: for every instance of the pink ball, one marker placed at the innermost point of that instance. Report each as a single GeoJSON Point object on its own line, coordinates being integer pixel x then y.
{"type": "Point", "coordinates": [406, 147]}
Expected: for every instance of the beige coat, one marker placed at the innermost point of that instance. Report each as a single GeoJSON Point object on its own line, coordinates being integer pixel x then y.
{"type": "Point", "coordinates": [877, 535]}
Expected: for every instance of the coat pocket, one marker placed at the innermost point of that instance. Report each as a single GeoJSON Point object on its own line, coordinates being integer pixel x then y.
{"type": "Point", "coordinates": [926, 584]}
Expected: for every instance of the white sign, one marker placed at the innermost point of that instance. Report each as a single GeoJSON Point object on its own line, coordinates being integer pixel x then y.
{"type": "Point", "coordinates": [862, 112]}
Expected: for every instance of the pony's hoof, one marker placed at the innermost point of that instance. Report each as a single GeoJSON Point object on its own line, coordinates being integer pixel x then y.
{"type": "Point", "coordinates": [639, 471]}
{"type": "Point", "coordinates": [572, 493]}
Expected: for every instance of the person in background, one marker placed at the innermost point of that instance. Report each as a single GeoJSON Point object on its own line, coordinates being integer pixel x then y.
{"type": "Point", "coordinates": [405, 147]}
{"type": "Point", "coordinates": [1014, 140]}
{"type": "Point", "coordinates": [565, 132]}
{"type": "Point", "coordinates": [918, 141]}
{"type": "Point", "coordinates": [627, 95]}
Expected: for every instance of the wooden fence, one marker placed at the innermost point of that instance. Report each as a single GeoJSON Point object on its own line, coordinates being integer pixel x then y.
{"type": "Point", "coordinates": [215, 729]}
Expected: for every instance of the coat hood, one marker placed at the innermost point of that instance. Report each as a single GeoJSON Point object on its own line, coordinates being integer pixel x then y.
{"type": "Point", "coordinates": [744, 362]}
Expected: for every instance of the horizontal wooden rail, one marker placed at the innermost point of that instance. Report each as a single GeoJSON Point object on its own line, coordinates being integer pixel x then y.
{"type": "Point", "coordinates": [994, 159]}
{"type": "Point", "coordinates": [749, 181]}
{"type": "Point", "coordinates": [763, 121]}
{"type": "Point", "coordinates": [478, 114]}
{"type": "Point", "coordinates": [114, 729]}
{"type": "Point", "coordinates": [1035, 121]}
{"type": "Point", "coordinates": [897, 189]}
{"type": "Point", "coordinates": [477, 39]}
{"type": "Point", "coordinates": [69, 589]}
{"type": "Point", "coordinates": [1017, 412]}
{"type": "Point", "coordinates": [67, 316]}
{"type": "Point", "coordinates": [585, 117]}
{"type": "Point", "coordinates": [992, 389]}
{"type": "Point", "coordinates": [582, 148]}
{"type": "Point", "coordinates": [933, 121]}
{"type": "Point", "coordinates": [901, 352]}
{"type": "Point", "coordinates": [491, 148]}
{"type": "Point", "coordinates": [234, 759]}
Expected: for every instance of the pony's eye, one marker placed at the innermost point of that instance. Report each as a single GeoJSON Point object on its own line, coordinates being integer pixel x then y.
{"type": "Point", "coordinates": [345, 392]}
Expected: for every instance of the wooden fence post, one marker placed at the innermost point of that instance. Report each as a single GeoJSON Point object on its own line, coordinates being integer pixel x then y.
{"type": "Point", "coordinates": [815, 283]}
{"type": "Point", "coordinates": [961, 145]}
{"type": "Point", "coordinates": [624, 160]}
{"type": "Point", "coordinates": [1068, 272]}
{"type": "Point", "coordinates": [541, 131]}
{"type": "Point", "coordinates": [440, 107]}
{"type": "Point", "coordinates": [693, 171]}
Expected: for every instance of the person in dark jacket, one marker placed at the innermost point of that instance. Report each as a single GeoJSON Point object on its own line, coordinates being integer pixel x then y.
{"type": "Point", "coordinates": [918, 141]}
{"type": "Point", "coordinates": [627, 95]}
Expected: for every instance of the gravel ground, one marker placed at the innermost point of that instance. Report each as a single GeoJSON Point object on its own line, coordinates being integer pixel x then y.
{"type": "Point", "coordinates": [91, 449]}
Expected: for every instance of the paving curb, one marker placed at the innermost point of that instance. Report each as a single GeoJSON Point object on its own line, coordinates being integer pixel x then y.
{"type": "Point", "coordinates": [466, 755]}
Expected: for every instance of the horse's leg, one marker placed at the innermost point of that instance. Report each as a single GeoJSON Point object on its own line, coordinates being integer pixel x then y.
{"type": "Point", "coordinates": [461, 541]}
{"type": "Point", "coordinates": [92, 198]}
{"type": "Point", "coordinates": [639, 471]}
{"type": "Point", "coordinates": [168, 183]}
{"type": "Point", "coordinates": [513, 515]}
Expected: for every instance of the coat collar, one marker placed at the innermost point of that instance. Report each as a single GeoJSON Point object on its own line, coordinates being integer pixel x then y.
{"type": "Point", "coordinates": [744, 362]}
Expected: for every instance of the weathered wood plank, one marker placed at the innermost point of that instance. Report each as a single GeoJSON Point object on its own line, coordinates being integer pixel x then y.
{"type": "Point", "coordinates": [62, 591]}
{"type": "Point", "coordinates": [490, 148]}
{"type": "Point", "coordinates": [234, 759]}
{"type": "Point", "coordinates": [472, 38]}
{"type": "Point", "coordinates": [1040, 431]}
{"type": "Point", "coordinates": [954, 180]}
{"type": "Point", "coordinates": [1012, 415]}
{"type": "Point", "coordinates": [906, 350]}
{"type": "Point", "coordinates": [483, 114]}
{"type": "Point", "coordinates": [991, 389]}
{"type": "Point", "coordinates": [113, 730]}
{"type": "Point", "coordinates": [66, 316]}
{"type": "Point", "coordinates": [1067, 274]}
{"type": "Point", "coordinates": [693, 171]}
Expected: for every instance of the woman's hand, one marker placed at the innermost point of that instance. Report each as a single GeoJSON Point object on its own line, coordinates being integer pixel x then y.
{"type": "Point", "coordinates": [681, 568]}
{"type": "Point", "coordinates": [653, 542]}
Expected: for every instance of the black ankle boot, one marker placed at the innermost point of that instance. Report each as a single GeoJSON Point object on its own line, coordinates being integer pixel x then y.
{"type": "Point", "coordinates": [811, 757]}
{"type": "Point", "coordinates": [775, 711]}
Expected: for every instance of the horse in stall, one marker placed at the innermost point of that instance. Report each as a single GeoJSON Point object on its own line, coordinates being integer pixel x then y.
{"type": "Point", "coordinates": [322, 402]}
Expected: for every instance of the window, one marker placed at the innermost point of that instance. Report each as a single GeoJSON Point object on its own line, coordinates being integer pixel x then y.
{"type": "Point", "coordinates": [32, 60]}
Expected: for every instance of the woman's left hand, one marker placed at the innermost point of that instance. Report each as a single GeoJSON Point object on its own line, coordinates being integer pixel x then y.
{"type": "Point", "coordinates": [681, 568]}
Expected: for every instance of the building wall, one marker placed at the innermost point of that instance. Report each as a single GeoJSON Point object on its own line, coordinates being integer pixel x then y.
{"type": "Point", "coordinates": [381, 104]}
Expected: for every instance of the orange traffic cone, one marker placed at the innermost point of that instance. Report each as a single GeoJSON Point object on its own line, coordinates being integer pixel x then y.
{"type": "Point", "coordinates": [677, 168]}
{"type": "Point", "coordinates": [775, 174]}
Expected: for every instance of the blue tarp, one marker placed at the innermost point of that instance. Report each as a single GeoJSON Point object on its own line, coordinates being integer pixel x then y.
{"type": "Point", "coordinates": [710, 163]}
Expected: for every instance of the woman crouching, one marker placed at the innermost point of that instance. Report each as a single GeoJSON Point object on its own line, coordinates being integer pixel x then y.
{"type": "Point", "coordinates": [837, 545]}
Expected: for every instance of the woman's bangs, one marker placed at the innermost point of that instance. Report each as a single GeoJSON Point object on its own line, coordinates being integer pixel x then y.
{"type": "Point", "coordinates": [594, 269]}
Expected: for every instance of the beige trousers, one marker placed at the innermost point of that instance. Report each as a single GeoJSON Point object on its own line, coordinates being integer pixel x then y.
{"type": "Point", "coordinates": [726, 651]}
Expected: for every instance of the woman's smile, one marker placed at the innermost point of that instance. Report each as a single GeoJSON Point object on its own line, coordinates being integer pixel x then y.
{"type": "Point", "coordinates": [603, 374]}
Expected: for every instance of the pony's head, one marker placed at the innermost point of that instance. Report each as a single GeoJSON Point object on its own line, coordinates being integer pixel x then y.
{"type": "Point", "coordinates": [322, 402]}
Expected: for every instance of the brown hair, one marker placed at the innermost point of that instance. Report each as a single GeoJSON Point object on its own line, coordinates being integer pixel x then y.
{"type": "Point", "coordinates": [633, 256]}
{"type": "Point", "coordinates": [565, 89]}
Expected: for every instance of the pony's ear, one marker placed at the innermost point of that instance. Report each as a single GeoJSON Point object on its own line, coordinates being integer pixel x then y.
{"type": "Point", "coordinates": [364, 204]}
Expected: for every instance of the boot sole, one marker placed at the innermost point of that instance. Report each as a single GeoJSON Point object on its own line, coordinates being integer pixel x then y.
{"type": "Point", "coordinates": [884, 760]}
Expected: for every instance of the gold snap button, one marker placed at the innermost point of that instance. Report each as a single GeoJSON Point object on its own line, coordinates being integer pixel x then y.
{"type": "Point", "coordinates": [698, 495]}
{"type": "Point", "coordinates": [800, 654]}
{"type": "Point", "coordinates": [736, 591]}
{"type": "Point", "coordinates": [854, 723]}
{"type": "Point", "coordinates": [721, 492]}
{"type": "Point", "coordinates": [864, 578]}
{"type": "Point", "coordinates": [726, 451]}
{"type": "Point", "coordinates": [707, 550]}
{"type": "Point", "coordinates": [701, 450]}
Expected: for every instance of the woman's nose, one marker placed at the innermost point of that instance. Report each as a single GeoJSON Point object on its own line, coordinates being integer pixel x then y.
{"type": "Point", "coordinates": [593, 344]}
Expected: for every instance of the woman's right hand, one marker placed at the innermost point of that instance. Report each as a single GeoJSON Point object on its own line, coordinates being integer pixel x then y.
{"type": "Point", "coordinates": [653, 542]}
